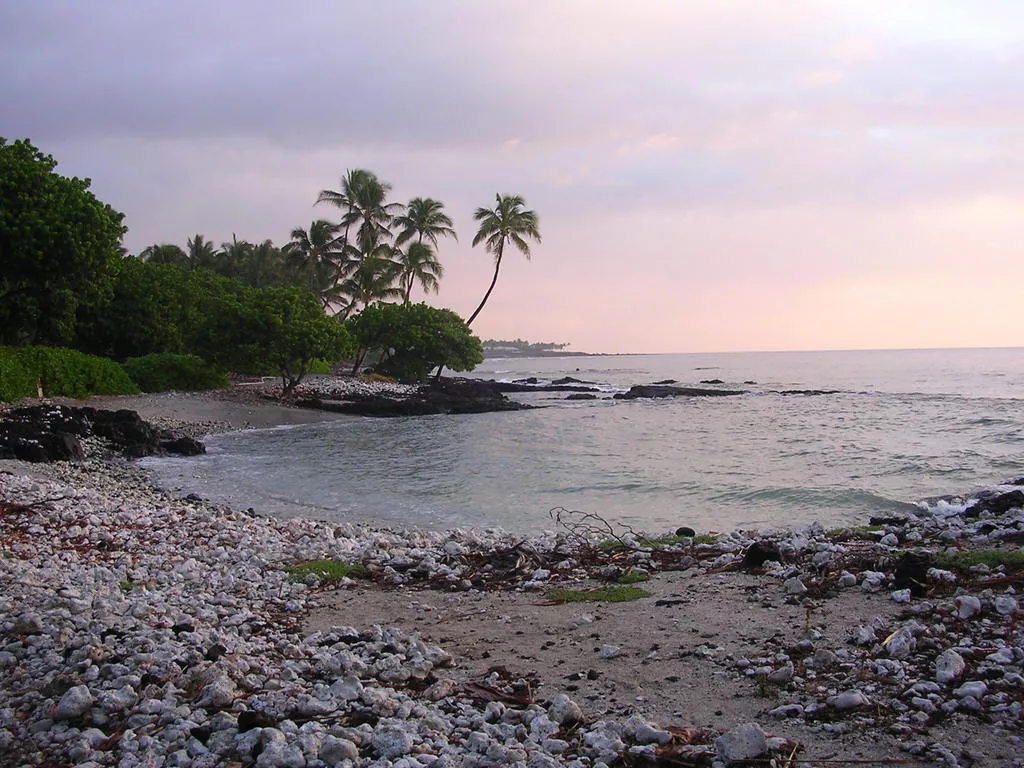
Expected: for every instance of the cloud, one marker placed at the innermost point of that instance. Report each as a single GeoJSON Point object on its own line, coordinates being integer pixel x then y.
{"type": "Point", "coordinates": [774, 150]}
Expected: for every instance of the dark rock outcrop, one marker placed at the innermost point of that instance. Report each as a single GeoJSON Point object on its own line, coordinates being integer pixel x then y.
{"type": "Point", "coordinates": [759, 553]}
{"type": "Point", "coordinates": [582, 396]}
{"type": "Point", "coordinates": [448, 396]}
{"type": "Point", "coordinates": [660, 390]}
{"type": "Point", "coordinates": [519, 386]}
{"type": "Point", "coordinates": [44, 433]}
{"type": "Point", "coordinates": [997, 505]}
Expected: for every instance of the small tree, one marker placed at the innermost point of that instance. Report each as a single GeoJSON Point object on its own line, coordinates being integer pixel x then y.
{"type": "Point", "coordinates": [59, 246]}
{"type": "Point", "coordinates": [410, 340]}
{"type": "Point", "coordinates": [286, 330]}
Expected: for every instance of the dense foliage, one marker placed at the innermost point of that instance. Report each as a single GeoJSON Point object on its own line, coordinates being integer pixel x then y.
{"type": "Point", "coordinates": [60, 373]}
{"type": "Point", "coordinates": [59, 246]}
{"type": "Point", "coordinates": [286, 331]}
{"type": "Point", "coordinates": [173, 373]}
{"type": "Point", "coordinates": [179, 314]}
{"type": "Point", "coordinates": [410, 340]}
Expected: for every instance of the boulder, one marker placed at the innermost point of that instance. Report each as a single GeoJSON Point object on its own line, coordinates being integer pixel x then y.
{"type": "Point", "coordinates": [44, 433]}
{"type": "Point", "coordinates": [997, 505]}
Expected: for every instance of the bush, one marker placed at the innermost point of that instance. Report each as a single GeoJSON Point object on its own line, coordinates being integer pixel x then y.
{"type": "Point", "coordinates": [167, 372]}
{"type": "Point", "coordinates": [62, 372]}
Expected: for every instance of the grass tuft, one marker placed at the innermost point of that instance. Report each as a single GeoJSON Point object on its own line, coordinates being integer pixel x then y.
{"type": "Point", "coordinates": [599, 595]}
{"type": "Point", "coordinates": [633, 577]}
{"type": "Point", "coordinates": [325, 570]}
{"type": "Point", "coordinates": [993, 558]}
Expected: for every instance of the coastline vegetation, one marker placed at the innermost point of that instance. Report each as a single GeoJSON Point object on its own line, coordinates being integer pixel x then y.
{"type": "Point", "coordinates": [247, 307]}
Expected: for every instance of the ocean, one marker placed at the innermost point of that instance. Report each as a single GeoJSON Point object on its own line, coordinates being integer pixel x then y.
{"type": "Point", "coordinates": [889, 430]}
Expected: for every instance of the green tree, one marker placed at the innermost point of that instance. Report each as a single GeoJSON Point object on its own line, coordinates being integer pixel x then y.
{"type": "Point", "coordinates": [507, 222]}
{"type": "Point", "coordinates": [144, 314]}
{"type": "Point", "coordinates": [410, 340]}
{"type": "Point", "coordinates": [59, 246]}
{"type": "Point", "coordinates": [286, 330]}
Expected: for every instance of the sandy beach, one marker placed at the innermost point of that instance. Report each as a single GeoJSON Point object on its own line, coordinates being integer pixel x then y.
{"type": "Point", "coordinates": [803, 648]}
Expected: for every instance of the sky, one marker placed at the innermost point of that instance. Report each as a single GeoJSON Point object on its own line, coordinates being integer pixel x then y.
{"type": "Point", "coordinates": [709, 175]}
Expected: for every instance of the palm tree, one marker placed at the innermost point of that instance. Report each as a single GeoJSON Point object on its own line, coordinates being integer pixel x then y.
{"type": "Point", "coordinates": [164, 254]}
{"type": "Point", "coordinates": [363, 198]}
{"type": "Point", "coordinates": [371, 279]}
{"type": "Point", "coordinates": [424, 217]}
{"type": "Point", "coordinates": [317, 256]}
{"type": "Point", "coordinates": [201, 253]}
{"type": "Point", "coordinates": [418, 264]}
{"type": "Point", "coordinates": [507, 222]}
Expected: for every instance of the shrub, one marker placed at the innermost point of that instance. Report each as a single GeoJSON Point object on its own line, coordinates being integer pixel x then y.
{"type": "Point", "coordinates": [320, 367]}
{"type": "Point", "coordinates": [168, 372]}
{"type": "Point", "coordinates": [62, 372]}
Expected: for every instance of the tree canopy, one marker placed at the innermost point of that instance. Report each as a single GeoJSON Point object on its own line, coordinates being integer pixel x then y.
{"type": "Point", "coordinates": [410, 340]}
{"type": "Point", "coordinates": [59, 245]}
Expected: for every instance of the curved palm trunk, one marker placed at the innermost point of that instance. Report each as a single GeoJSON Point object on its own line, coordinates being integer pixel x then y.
{"type": "Point", "coordinates": [494, 281]}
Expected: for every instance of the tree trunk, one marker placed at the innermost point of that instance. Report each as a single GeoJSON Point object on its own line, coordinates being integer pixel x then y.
{"type": "Point", "coordinates": [494, 281]}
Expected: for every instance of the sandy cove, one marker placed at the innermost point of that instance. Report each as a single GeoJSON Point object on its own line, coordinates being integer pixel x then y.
{"type": "Point", "coordinates": [308, 677]}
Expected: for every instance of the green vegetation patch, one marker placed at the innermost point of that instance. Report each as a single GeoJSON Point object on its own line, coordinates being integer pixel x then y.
{"type": "Point", "coordinates": [173, 373]}
{"type": "Point", "coordinates": [599, 595]}
{"type": "Point", "coordinates": [326, 570]}
{"type": "Point", "coordinates": [993, 558]}
{"type": "Point", "coordinates": [633, 577]}
{"type": "Point", "coordinates": [61, 372]}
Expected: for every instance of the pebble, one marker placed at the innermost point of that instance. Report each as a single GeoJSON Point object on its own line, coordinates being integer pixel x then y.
{"type": "Point", "coordinates": [949, 666]}
{"type": "Point", "coordinates": [176, 612]}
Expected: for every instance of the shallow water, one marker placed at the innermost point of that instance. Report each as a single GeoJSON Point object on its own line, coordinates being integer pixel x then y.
{"type": "Point", "coordinates": [903, 426]}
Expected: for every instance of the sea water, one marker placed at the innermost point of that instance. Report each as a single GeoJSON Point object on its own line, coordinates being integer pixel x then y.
{"type": "Point", "coordinates": [883, 431]}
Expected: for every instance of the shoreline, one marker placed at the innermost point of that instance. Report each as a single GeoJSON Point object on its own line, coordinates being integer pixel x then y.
{"type": "Point", "coordinates": [116, 567]}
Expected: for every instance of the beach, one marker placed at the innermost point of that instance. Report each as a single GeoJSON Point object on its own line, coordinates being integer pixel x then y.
{"type": "Point", "coordinates": [144, 629]}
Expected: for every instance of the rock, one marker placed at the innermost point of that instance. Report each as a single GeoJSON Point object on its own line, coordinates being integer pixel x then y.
{"type": "Point", "coordinates": [949, 666]}
{"type": "Point", "coordinates": [685, 530]}
{"type": "Point", "coordinates": [742, 743]}
{"type": "Point", "coordinates": [911, 572]}
{"type": "Point", "coordinates": [564, 710]}
{"type": "Point", "coordinates": [900, 644]}
{"type": "Point", "coordinates": [333, 750]}
{"type": "Point", "coordinates": [182, 445]}
{"type": "Point", "coordinates": [610, 651]}
{"type": "Point", "coordinates": [582, 396]}
{"type": "Point", "coordinates": [787, 710]}
{"type": "Point", "coordinates": [46, 433]}
{"type": "Point", "coordinates": [974, 688]}
{"type": "Point", "coordinates": [661, 391]}
{"type": "Point", "coordinates": [447, 396]}
{"type": "Point", "coordinates": [848, 700]}
{"type": "Point", "coordinates": [794, 586]}
{"type": "Point", "coordinates": [74, 703]}
{"type": "Point", "coordinates": [782, 675]}
{"type": "Point", "coordinates": [996, 505]}
{"type": "Point", "coordinates": [1005, 605]}
{"type": "Point", "coordinates": [967, 606]}
{"type": "Point", "coordinates": [759, 553]}
{"type": "Point", "coordinates": [391, 741]}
